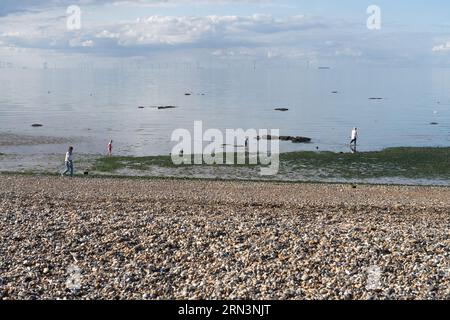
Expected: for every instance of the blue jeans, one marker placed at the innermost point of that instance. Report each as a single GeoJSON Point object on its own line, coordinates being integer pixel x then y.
{"type": "Point", "coordinates": [69, 168]}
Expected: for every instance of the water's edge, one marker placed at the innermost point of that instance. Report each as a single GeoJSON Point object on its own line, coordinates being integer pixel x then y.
{"type": "Point", "coordinates": [394, 166]}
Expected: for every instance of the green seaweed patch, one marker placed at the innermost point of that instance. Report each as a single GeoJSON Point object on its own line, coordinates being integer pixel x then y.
{"type": "Point", "coordinates": [415, 163]}
{"type": "Point", "coordinates": [111, 164]}
{"type": "Point", "coordinates": [392, 162]}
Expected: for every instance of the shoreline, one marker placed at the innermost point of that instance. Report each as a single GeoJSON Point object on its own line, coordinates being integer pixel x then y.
{"type": "Point", "coordinates": [392, 166]}
{"type": "Point", "coordinates": [229, 180]}
{"type": "Point", "coordinates": [171, 239]}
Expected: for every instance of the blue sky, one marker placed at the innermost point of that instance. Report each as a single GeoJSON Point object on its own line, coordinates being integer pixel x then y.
{"type": "Point", "coordinates": [321, 31]}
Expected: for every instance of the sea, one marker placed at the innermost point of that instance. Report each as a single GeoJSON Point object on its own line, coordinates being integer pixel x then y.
{"type": "Point", "coordinates": [87, 107]}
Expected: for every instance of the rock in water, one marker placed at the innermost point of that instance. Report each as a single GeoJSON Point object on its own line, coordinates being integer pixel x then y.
{"type": "Point", "coordinates": [282, 109]}
{"type": "Point", "coordinates": [300, 140]}
{"type": "Point", "coordinates": [287, 138]}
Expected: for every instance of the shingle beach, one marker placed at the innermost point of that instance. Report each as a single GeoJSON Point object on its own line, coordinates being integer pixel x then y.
{"type": "Point", "coordinates": [102, 238]}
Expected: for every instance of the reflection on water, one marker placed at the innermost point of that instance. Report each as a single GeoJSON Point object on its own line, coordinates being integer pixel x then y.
{"type": "Point", "coordinates": [98, 105]}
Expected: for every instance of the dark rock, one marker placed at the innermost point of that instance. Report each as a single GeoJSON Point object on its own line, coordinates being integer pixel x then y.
{"type": "Point", "coordinates": [434, 123]}
{"type": "Point", "coordinates": [159, 107]}
{"type": "Point", "coordinates": [335, 92]}
{"type": "Point", "coordinates": [282, 109]}
{"type": "Point", "coordinates": [287, 138]}
{"type": "Point", "coordinates": [300, 140]}
{"type": "Point", "coordinates": [375, 98]}
{"type": "Point", "coordinates": [188, 94]}
{"type": "Point", "coordinates": [37, 125]}
{"type": "Point", "coordinates": [166, 107]}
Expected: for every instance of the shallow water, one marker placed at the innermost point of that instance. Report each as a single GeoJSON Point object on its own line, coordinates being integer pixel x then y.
{"type": "Point", "coordinates": [233, 173]}
{"type": "Point", "coordinates": [88, 107]}
{"type": "Point", "coordinates": [103, 104]}
{"type": "Point", "coordinates": [51, 163]}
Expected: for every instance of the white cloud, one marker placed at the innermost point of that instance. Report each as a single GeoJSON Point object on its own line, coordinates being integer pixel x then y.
{"type": "Point", "coordinates": [445, 47]}
{"type": "Point", "coordinates": [79, 43]}
{"type": "Point", "coordinates": [210, 30]}
{"type": "Point", "coordinates": [13, 6]}
{"type": "Point", "coordinates": [348, 52]}
{"type": "Point", "coordinates": [40, 25]}
{"type": "Point", "coordinates": [39, 30]}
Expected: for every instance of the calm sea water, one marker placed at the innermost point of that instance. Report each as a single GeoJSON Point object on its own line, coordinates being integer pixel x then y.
{"type": "Point", "coordinates": [93, 106]}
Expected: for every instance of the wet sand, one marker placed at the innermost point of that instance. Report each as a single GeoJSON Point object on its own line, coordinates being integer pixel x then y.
{"type": "Point", "coordinates": [9, 139]}
{"type": "Point", "coordinates": [170, 239]}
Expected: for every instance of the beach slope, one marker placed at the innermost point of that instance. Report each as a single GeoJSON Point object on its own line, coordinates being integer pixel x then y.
{"type": "Point", "coordinates": [172, 239]}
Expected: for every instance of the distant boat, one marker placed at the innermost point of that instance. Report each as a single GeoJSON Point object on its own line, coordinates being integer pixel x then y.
{"type": "Point", "coordinates": [324, 68]}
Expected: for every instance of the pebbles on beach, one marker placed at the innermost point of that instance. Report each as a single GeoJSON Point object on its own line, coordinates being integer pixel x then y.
{"type": "Point", "coordinates": [143, 239]}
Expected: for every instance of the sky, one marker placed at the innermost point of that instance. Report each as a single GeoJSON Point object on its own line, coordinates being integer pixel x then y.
{"type": "Point", "coordinates": [317, 32]}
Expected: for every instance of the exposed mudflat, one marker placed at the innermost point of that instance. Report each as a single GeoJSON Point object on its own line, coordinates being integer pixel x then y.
{"type": "Point", "coordinates": [9, 139]}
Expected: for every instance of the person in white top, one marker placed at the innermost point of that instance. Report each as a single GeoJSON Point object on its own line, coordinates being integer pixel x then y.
{"type": "Point", "coordinates": [69, 162]}
{"type": "Point", "coordinates": [110, 148]}
{"type": "Point", "coordinates": [354, 136]}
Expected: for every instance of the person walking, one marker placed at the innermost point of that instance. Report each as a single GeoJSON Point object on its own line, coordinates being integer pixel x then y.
{"type": "Point", "coordinates": [110, 147]}
{"type": "Point", "coordinates": [354, 136]}
{"type": "Point", "coordinates": [69, 162]}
